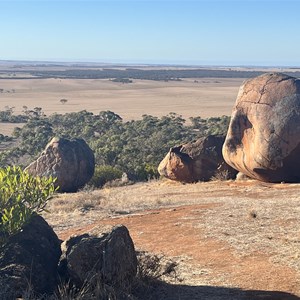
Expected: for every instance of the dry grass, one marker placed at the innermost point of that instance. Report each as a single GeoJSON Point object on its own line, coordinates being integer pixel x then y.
{"type": "Point", "coordinates": [251, 225]}
{"type": "Point", "coordinates": [137, 198]}
{"type": "Point", "coordinates": [268, 222]}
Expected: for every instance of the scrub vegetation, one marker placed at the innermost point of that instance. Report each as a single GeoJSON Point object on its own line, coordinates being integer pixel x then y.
{"type": "Point", "coordinates": [135, 147]}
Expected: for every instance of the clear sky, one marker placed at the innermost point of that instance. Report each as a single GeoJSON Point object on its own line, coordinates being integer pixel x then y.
{"type": "Point", "coordinates": [207, 32]}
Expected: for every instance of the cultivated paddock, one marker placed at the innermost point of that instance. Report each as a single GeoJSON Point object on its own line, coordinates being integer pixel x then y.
{"type": "Point", "coordinates": [206, 97]}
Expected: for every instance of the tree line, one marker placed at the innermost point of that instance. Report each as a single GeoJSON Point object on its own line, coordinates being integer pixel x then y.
{"type": "Point", "coordinates": [135, 147]}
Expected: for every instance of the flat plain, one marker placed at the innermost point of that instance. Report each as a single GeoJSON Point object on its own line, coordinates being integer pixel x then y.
{"type": "Point", "coordinates": [205, 97]}
{"type": "Point", "coordinates": [88, 87]}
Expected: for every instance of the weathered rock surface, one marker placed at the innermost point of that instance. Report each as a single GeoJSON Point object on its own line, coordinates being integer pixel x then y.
{"type": "Point", "coordinates": [263, 140]}
{"type": "Point", "coordinates": [106, 254]}
{"type": "Point", "coordinates": [29, 260]}
{"type": "Point", "coordinates": [242, 177]}
{"type": "Point", "coordinates": [196, 161]}
{"type": "Point", "coordinates": [72, 162]}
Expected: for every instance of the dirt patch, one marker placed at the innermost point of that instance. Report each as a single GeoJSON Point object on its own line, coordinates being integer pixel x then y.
{"type": "Point", "coordinates": [174, 232]}
{"type": "Point", "coordinates": [232, 240]}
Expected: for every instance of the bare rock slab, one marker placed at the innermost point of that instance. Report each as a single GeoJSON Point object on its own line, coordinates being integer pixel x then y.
{"type": "Point", "coordinates": [72, 162]}
{"type": "Point", "coordinates": [263, 140]}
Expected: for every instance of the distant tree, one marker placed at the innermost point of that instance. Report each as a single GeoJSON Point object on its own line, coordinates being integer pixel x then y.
{"type": "Point", "coordinates": [63, 101]}
{"type": "Point", "coordinates": [122, 80]}
{"type": "Point", "coordinates": [6, 115]}
{"type": "Point", "coordinates": [36, 113]}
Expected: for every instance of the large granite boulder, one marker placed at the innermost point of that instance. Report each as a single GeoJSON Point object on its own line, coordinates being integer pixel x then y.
{"type": "Point", "coordinates": [199, 160]}
{"type": "Point", "coordinates": [72, 162]}
{"type": "Point", "coordinates": [105, 254]}
{"type": "Point", "coordinates": [29, 260]}
{"type": "Point", "coordinates": [263, 140]}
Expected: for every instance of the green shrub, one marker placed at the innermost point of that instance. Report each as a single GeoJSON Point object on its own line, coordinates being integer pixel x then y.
{"type": "Point", "coordinates": [146, 172]}
{"type": "Point", "coordinates": [104, 174]}
{"type": "Point", "coordinates": [21, 195]}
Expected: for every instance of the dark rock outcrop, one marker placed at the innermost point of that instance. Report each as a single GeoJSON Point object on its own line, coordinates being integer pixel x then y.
{"type": "Point", "coordinates": [29, 260]}
{"type": "Point", "coordinates": [196, 161]}
{"type": "Point", "coordinates": [72, 162]}
{"type": "Point", "coordinates": [106, 254]}
{"type": "Point", "coordinates": [263, 140]}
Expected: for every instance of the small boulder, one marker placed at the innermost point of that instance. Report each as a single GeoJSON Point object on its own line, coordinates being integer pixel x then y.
{"type": "Point", "coordinates": [242, 177]}
{"type": "Point", "coordinates": [263, 139]}
{"type": "Point", "coordinates": [199, 160]}
{"type": "Point", "coordinates": [72, 162]}
{"type": "Point", "coordinates": [29, 259]}
{"type": "Point", "coordinates": [106, 254]}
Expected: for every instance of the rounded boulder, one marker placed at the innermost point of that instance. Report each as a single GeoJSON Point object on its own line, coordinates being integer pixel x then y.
{"type": "Point", "coordinates": [72, 162]}
{"type": "Point", "coordinates": [199, 160]}
{"type": "Point", "coordinates": [263, 139]}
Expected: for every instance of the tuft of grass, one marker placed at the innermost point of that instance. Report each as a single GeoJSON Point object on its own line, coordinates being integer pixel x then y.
{"type": "Point", "coordinates": [253, 214]}
{"type": "Point", "coordinates": [220, 175]}
{"type": "Point", "coordinates": [82, 202]}
{"type": "Point", "coordinates": [152, 267]}
{"type": "Point", "coordinates": [92, 289]}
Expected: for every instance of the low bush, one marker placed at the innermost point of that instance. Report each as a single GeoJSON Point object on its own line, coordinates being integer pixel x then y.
{"type": "Point", "coordinates": [153, 267]}
{"type": "Point", "coordinates": [104, 174]}
{"type": "Point", "coordinates": [21, 195]}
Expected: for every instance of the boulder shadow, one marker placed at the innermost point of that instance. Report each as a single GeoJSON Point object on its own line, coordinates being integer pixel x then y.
{"type": "Point", "coordinates": [164, 291]}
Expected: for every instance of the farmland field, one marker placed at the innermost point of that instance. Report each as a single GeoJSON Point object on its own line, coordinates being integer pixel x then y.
{"type": "Point", "coordinates": [92, 88]}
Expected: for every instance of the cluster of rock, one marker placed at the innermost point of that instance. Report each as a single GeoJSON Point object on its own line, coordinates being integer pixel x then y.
{"type": "Point", "coordinates": [34, 260]}
{"type": "Point", "coordinates": [262, 142]}
{"type": "Point", "coordinates": [72, 162]}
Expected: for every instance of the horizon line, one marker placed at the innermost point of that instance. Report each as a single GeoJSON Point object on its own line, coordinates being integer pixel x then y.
{"type": "Point", "coordinates": [145, 63]}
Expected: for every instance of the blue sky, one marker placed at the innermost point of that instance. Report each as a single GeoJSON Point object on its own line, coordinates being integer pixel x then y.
{"type": "Point", "coordinates": [241, 32]}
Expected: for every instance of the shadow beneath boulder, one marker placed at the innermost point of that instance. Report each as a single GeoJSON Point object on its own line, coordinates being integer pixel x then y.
{"type": "Point", "coordinates": [164, 291]}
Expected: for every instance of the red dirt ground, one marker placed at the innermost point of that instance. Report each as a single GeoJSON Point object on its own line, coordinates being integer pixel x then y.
{"type": "Point", "coordinates": [208, 262]}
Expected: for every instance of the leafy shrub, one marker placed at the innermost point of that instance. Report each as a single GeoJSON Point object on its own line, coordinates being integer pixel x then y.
{"type": "Point", "coordinates": [146, 171]}
{"type": "Point", "coordinates": [104, 174]}
{"type": "Point", "coordinates": [21, 195]}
